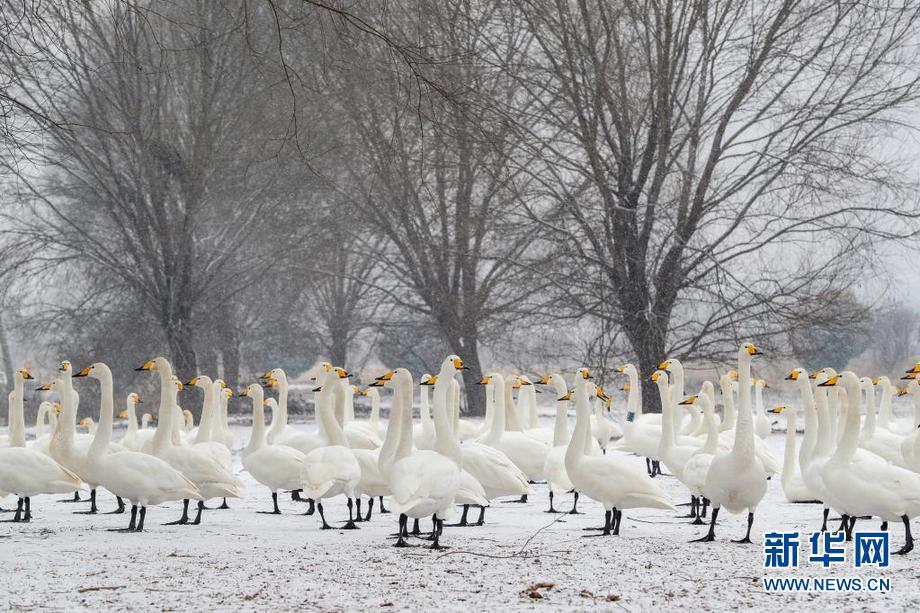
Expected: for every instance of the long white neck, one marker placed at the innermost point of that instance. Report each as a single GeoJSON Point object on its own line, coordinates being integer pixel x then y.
{"type": "Point", "coordinates": [789, 450]}
{"type": "Point", "coordinates": [424, 411]}
{"type": "Point", "coordinates": [167, 412]}
{"type": "Point", "coordinates": [825, 443]}
{"type": "Point", "coordinates": [744, 428]}
{"type": "Point", "coordinates": [40, 419]}
{"type": "Point", "coordinates": [375, 409]}
{"type": "Point", "coordinates": [282, 401]}
{"type": "Point", "coordinates": [445, 441]}
{"type": "Point", "coordinates": [666, 442]}
{"type": "Point", "coordinates": [709, 420]}
{"type": "Point", "coordinates": [405, 446]}
{"type": "Point", "coordinates": [531, 394]}
{"type": "Point", "coordinates": [884, 407]}
{"type": "Point", "coordinates": [497, 385]}
{"type": "Point", "coordinates": [349, 402]}
{"type": "Point", "coordinates": [575, 451]}
{"type": "Point", "coordinates": [729, 414]}
{"type": "Point", "coordinates": [106, 409]}
{"type": "Point", "coordinates": [207, 415]}
{"type": "Point", "coordinates": [328, 402]}
{"type": "Point", "coordinates": [633, 403]}
{"type": "Point", "coordinates": [561, 429]}
{"type": "Point", "coordinates": [394, 425]}
{"type": "Point", "coordinates": [512, 423]}
{"type": "Point", "coordinates": [806, 451]}
{"type": "Point", "coordinates": [758, 398]}
{"type": "Point", "coordinates": [16, 418]}
{"type": "Point", "coordinates": [850, 438]}
{"type": "Point", "coordinates": [257, 437]}
{"type": "Point", "coordinates": [132, 415]}
{"type": "Point", "coordinates": [455, 407]}
{"type": "Point", "coordinates": [868, 430]}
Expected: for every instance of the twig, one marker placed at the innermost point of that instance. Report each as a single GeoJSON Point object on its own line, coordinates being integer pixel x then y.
{"type": "Point", "coordinates": [97, 588]}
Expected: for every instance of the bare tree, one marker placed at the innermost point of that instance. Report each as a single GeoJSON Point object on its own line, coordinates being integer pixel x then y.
{"type": "Point", "coordinates": [169, 164]}
{"type": "Point", "coordinates": [443, 184]}
{"type": "Point", "coordinates": [696, 152]}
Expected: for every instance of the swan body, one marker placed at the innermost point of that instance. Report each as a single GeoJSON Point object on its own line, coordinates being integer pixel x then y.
{"type": "Point", "coordinates": [277, 467]}
{"type": "Point", "coordinates": [527, 453]}
{"type": "Point", "coordinates": [762, 425]}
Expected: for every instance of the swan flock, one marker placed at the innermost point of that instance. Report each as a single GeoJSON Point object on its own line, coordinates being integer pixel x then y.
{"type": "Point", "coordinates": [853, 458]}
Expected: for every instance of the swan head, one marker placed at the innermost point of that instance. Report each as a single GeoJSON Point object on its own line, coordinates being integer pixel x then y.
{"type": "Point", "coordinates": [847, 379]}
{"type": "Point", "coordinates": [278, 374]}
{"type": "Point", "coordinates": [583, 374]}
{"type": "Point", "coordinates": [867, 384]}
{"type": "Point", "coordinates": [157, 364]}
{"type": "Point", "coordinates": [134, 398]}
{"type": "Point", "coordinates": [762, 384]}
{"type": "Point", "coordinates": [200, 381]}
{"type": "Point", "coordinates": [340, 372]}
{"type": "Point", "coordinates": [24, 375]}
{"type": "Point", "coordinates": [777, 410]}
{"type": "Point", "coordinates": [798, 374]}
{"type": "Point", "coordinates": [747, 351]}
{"type": "Point", "coordinates": [671, 365]}
{"type": "Point", "coordinates": [659, 377]}
{"type": "Point", "coordinates": [97, 370]}
{"type": "Point", "coordinates": [270, 404]}
{"type": "Point", "coordinates": [914, 369]}
{"type": "Point", "coordinates": [65, 367]}
{"type": "Point", "coordinates": [254, 391]}
{"type": "Point", "coordinates": [48, 387]}
{"type": "Point", "coordinates": [86, 421]}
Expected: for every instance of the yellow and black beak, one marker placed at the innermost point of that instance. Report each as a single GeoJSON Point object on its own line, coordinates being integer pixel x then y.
{"type": "Point", "coordinates": [193, 381]}
{"type": "Point", "coordinates": [568, 396]}
{"type": "Point", "coordinates": [26, 375]}
{"type": "Point", "coordinates": [586, 374]}
{"type": "Point", "coordinates": [621, 368]}
{"type": "Point", "coordinates": [376, 383]}
{"type": "Point", "coordinates": [543, 381]}
{"type": "Point", "coordinates": [267, 375]}
{"type": "Point", "coordinates": [245, 392]}
{"type": "Point", "coordinates": [688, 400]}
{"type": "Point", "coordinates": [148, 365]}
{"type": "Point", "coordinates": [901, 391]}
{"type": "Point", "coordinates": [44, 387]}
{"type": "Point", "coordinates": [626, 387]}
{"type": "Point", "coordinates": [664, 365]}
{"type": "Point", "coordinates": [485, 380]}
{"type": "Point", "coordinates": [753, 350]}
{"type": "Point", "coordinates": [776, 410]}
{"type": "Point", "coordinates": [385, 376]}
{"type": "Point", "coordinates": [830, 382]}
{"type": "Point", "coordinates": [910, 376]}
{"type": "Point", "coordinates": [84, 372]}
{"type": "Point", "coordinates": [458, 364]}
{"type": "Point", "coordinates": [793, 376]}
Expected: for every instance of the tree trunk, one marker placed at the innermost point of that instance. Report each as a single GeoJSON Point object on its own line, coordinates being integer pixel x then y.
{"type": "Point", "coordinates": [468, 350]}
{"type": "Point", "coordinates": [230, 357]}
{"type": "Point", "coordinates": [6, 360]}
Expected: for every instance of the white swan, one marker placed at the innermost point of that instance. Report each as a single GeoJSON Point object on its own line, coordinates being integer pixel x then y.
{"type": "Point", "coordinates": [133, 439]}
{"type": "Point", "coordinates": [554, 466]}
{"type": "Point", "coordinates": [423, 434]}
{"type": "Point", "coordinates": [331, 470]}
{"type": "Point", "coordinates": [865, 484]}
{"type": "Point", "coordinates": [737, 479]}
{"type": "Point", "coordinates": [221, 431]}
{"type": "Point", "coordinates": [641, 432]}
{"type": "Point", "coordinates": [527, 401]}
{"type": "Point", "coordinates": [277, 467]}
{"type": "Point", "coordinates": [140, 478]}
{"type": "Point", "coordinates": [794, 487]}
{"type": "Point", "coordinates": [527, 453]}
{"type": "Point", "coordinates": [374, 418]}
{"type": "Point", "coordinates": [603, 429]}
{"type": "Point", "coordinates": [360, 435]}
{"type": "Point", "coordinates": [424, 483]}
{"type": "Point", "coordinates": [46, 410]}
{"type": "Point", "coordinates": [697, 466]}
{"type": "Point", "coordinates": [196, 464]}
{"type": "Point", "coordinates": [604, 478]}
{"type": "Point", "coordinates": [880, 441]}
{"type": "Point", "coordinates": [27, 472]}
{"type": "Point", "coordinates": [762, 426]}
{"type": "Point", "coordinates": [672, 452]}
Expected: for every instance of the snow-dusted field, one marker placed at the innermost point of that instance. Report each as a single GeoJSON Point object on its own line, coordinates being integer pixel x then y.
{"type": "Point", "coordinates": [239, 559]}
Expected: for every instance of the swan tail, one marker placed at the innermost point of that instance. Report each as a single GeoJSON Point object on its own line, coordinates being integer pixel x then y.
{"type": "Point", "coordinates": [316, 491]}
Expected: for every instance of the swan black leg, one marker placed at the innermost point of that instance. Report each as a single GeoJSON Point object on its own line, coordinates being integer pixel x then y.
{"type": "Point", "coordinates": [619, 518]}
{"type": "Point", "coordinates": [747, 535]}
{"type": "Point", "coordinates": [18, 516]}
{"type": "Point", "coordinates": [131, 524]}
{"type": "Point", "coordinates": [92, 505]}
{"type": "Point", "coordinates": [197, 520]}
{"type": "Point", "coordinates": [325, 526]}
{"type": "Point", "coordinates": [120, 509]}
{"type": "Point", "coordinates": [462, 523]}
{"type": "Point", "coordinates": [358, 516]}
{"type": "Point", "coordinates": [849, 529]}
{"type": "Point", "coordinates": [370, 509]}
{"type": "Point", "coordinates": [415, 528]}
{"type": "Point", "coordinates": [705, 506]}
{"type": "Point", "coordinates": [350, 524]}
{"type": "Point", "coordinates": [275, 510]}
{"type": "Point", "coordinates": [140, 520]}
{"type": "Point", "coordinates": [824, 521]}
{"type": "Point", "coordinates": [551, 509]}
{"type": "Point", "coordinates": [692, 513]}
{"type": "Point", "coordinates": [648, 467]}
{"type": "Point", "coordinates": [224, 505]}
{"type": "Point", "coordinates": [482, 516]}
{"type": "Point", "coordinates": [575, 510]}
{"type": "Point", "coordinates": [436, 532]}
{"type": "Point", "coordinates": [844, 524]}
{"type": "Point", "coordinates": [608, 519]}
{"type": "Point", "coordinates": [884, 526]}
{"type": "Point", "coordinates": [908, 538]}
{"type": "Point", "coordinates": [28, 510]}
{"type": "Point", "coordinates": [698, 520]}
{"type": "Point", "coordinates": [76, 498]}
{"type": "Point", "coordinates": [181, 520]}
{"type": "Point", "coordinates": [522, 500]}
{"type": "Point", "coordinates": [383, 509]}
{"type": "Point", "coordinates": [711, 535]}
{"type": "Point", "coordinates": [402, 532]}
{"type": "Point", "coordinates": [656, 468]}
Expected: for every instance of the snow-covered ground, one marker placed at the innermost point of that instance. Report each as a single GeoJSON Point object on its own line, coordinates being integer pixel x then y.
{"type": "Point", "coordinates": [239, 559]}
